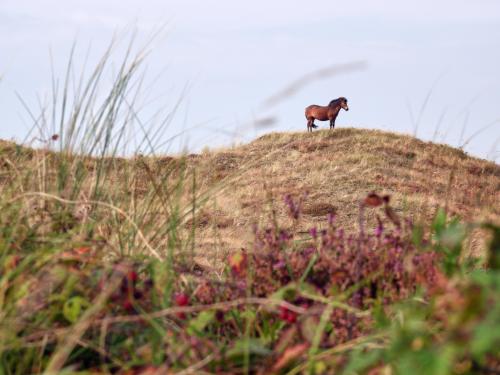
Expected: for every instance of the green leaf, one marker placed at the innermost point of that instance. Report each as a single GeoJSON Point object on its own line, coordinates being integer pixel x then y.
{"type": "Point", "coordinates": [308, 327]}
{"type": "Point", "coordinates": [289, 291]}
{"type": "Point", "coordinates": [199, 323]}
{"type": "Point", "coordinates": [74, 307]}
{"type": "Point", "coordinates": [360, 360]}
{"type": "Point", "coordinates": [417, 235]}
{"type": "Point", "coordinates": [486, 336]}
{"type": "Point", "coordinates": [251, 346]}
{"type": "Point", "coordinates": [249, 315]}
{"type": "Point", "coordinates": [452, 236]}
{"type": "Point", "coordinates": [449, 241]}
{"type": "Point", "coordinates": [439, 222]}
{"type": "Point", "coordinates": [320, 367]}
{"type": "Point", "coordinates": [494, 247]}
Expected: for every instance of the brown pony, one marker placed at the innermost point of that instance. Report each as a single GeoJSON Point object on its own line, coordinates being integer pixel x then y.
{"type": "Point", "coordinates": [330, 112]}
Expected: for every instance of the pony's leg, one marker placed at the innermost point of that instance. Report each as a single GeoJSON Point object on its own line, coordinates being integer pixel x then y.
{"type": "Point", "coordinates": [312, 125]}
{"type": "Point", "coordinates": [332, 123]}
{"type": "Point", "coordinates": [309, 125]}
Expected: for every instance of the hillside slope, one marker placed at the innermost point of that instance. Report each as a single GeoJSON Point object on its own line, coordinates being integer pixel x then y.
{"type": "Point", "coordinates": [238, 187]}
{"type": "Point", "coordinates": [337, 169]}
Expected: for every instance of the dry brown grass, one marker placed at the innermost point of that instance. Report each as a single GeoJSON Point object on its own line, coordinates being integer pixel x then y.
{"type": "Point", "coordinates": [245, 185]}
{"type": "Point", "coordinates": [337, 169]}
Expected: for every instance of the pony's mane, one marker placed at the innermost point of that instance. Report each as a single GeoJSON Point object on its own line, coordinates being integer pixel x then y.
{"type": "Point", "coordinates": [334, 101]}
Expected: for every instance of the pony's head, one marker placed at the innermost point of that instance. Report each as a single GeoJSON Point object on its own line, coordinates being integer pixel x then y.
{"type": "Point", "coordinates": [342, 102]}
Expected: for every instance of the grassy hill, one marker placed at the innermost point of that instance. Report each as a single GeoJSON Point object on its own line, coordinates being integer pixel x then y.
{"type": "Point", "coordinates": [336, 170]}
{"type": "Point", "coordinates": [238, 187]}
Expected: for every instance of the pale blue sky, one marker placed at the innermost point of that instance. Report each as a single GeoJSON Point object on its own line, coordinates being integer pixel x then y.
{"type": "Point", "coordinates": [234, 55]}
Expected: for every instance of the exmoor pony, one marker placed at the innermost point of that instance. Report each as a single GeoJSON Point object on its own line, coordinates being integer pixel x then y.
{"type": "Point", "coordinates": [320, 113]}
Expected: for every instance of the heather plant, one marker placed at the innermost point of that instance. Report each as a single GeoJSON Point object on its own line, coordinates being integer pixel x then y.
{"type": "Point", "coordinates": [381, 300]}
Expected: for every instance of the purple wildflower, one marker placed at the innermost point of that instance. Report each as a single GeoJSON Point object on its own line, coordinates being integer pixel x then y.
{"type": "Point", "coordinates": [331, 218]}
{"type": "Point", "coordinates": [279, 265]}
{"type": "Point", "coordinates": [309, 251]}
{"type": "Point", "coordinates": [284, 236]}
{"type": "Point", "coordinates": [241, 284]}
{"type": "Point", "coordinates": [293, 208]}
